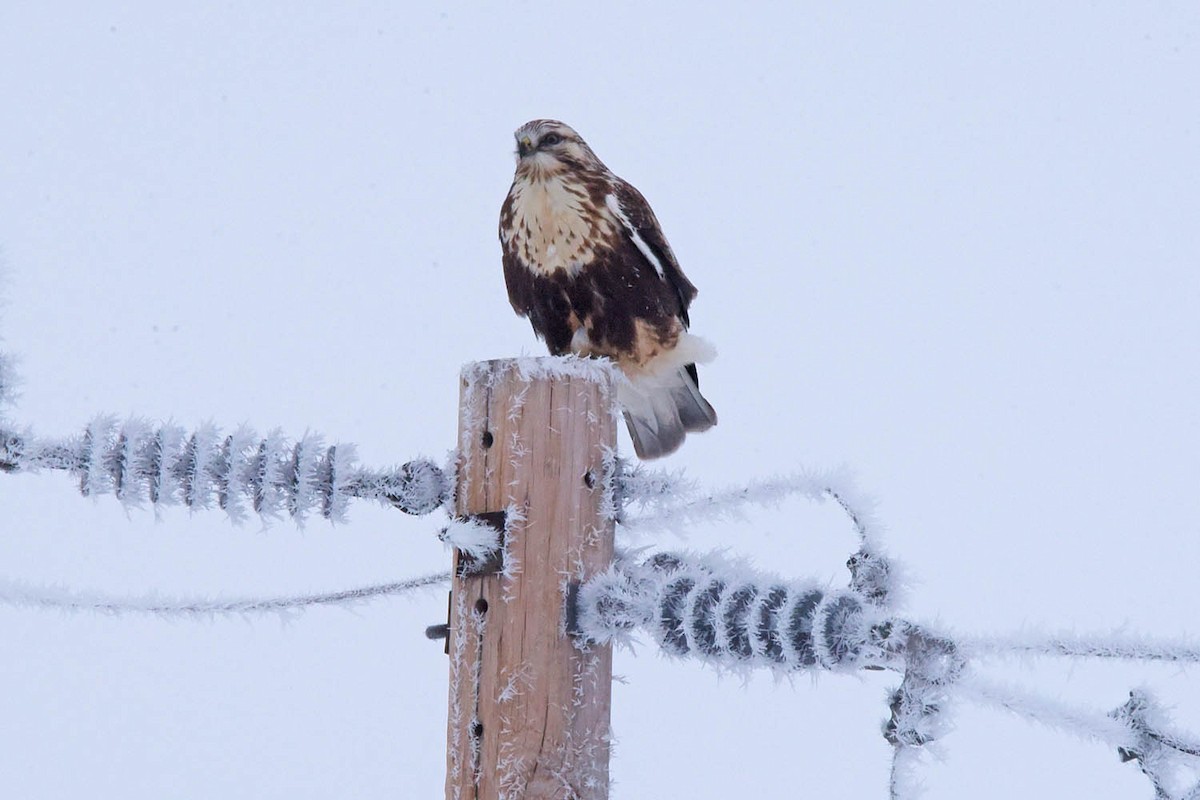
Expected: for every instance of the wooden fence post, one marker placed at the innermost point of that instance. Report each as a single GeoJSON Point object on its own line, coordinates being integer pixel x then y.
{"type": "Point", "coordinates": [529, 710]}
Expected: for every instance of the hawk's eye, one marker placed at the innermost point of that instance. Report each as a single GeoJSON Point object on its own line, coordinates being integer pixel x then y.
{"type": "Point", "coordinates": [550, 139]}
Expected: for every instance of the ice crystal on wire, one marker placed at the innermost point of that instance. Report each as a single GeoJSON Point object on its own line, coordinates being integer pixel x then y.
{"type": "Point", "coordinates": [731, 616]}
{"type": "Point", "coordinates": [166, 465]}
{"type": "Point", "coordinates": [474, 537]}
{"type": "Point", "coordinates": [22, 595]}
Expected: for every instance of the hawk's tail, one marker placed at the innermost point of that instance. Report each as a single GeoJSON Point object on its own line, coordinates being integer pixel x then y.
{"type": "Point", "coordinates": [661, 412]}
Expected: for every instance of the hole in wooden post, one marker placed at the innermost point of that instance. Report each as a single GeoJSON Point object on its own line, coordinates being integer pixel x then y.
{"type": "Point", "coordinates": [477, 730]}
{"type": "Point", "coordinates": [488, 439]}
{"type": "Point", "coordinates": [481, 606]}
{"type": "Point", "coordinates": [589, 479]}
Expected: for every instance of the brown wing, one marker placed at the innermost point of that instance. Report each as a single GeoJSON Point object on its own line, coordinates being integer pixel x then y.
{"type": "Point", "coordinates": [540, 299]}
{"type": "Point", "coordinates": [634, 288]}
{"type": "Point", "coordinates": [646, 228]}
{"type": "Point", "coordinates": [518, 279]}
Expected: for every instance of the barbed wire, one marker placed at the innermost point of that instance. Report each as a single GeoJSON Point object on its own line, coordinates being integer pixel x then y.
{"type": "Point", "coordinates": [736, 619]}
{"type": "Point", "coordinates": [1117, 646]}
{"type": "Point", "coordinates": [729, 617]}
{"type": "Point", "coordinates": [720, 613]}
{"type": "Point", "coordinates": [707, 607]}
{"type": "Point", "coordinates": [1140, 730]}
{"type": "Point", "coordinates": [271, 476]}
{"type": "Point", "coordinates": [20, 595]}
{"type": "Point", "coordinates": [733, 618]}
{"type": "Point", "coordinates": [656, 499]}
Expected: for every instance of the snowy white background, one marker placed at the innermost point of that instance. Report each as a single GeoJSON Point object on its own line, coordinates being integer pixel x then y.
{"type": "Point", "coordinates": [954, 248]}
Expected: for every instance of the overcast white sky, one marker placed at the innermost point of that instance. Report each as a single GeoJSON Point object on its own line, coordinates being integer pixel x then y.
{"type": "Point", "coordinates": [952, 246]}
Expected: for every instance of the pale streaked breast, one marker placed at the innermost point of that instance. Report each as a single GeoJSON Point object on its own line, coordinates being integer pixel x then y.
{"type": "Point", "coordinates": [555, 227]}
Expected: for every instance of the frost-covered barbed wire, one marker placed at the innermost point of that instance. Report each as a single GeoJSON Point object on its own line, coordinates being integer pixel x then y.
{"type": "Point", "coordinates": [655, 499]}
{"type": "Point", "coordinates": [734, 618]}
{"type": "Point", "coordinates": [1160, 752]}
{"type": "Point", "coordinates": [919, 705]}
{"type": "Point", "coordinates": [239, 472]}
{"type": "Point", "coordinates": [1140, 730]}
{"type": "Point", "coordinates": [1088, 724]}
{"type": "Point", "coordinates": [1119, 646]}
{"type": "Point", "coordinates": [21, 595]}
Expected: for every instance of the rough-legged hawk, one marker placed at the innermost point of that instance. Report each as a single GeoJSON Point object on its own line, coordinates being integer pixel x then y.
{"type": "Point", "coordinates": [586, 261]}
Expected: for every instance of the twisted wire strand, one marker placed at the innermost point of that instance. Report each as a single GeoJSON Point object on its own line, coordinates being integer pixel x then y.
{"type": "Point", "coordinates": [920, 704]}
{"type": "Point", "coordinates": [654, 499]}
{"type": "Point", "coordinates": [700, 607]}
{"type": "Point", "coordinates": [238, 473]}
{"type": "Point", "coordinates": [1109, 647]}
{"type": "Point", "coordinates": [732, 617]}
{"type": "Point", "coordinates": [736, 619]}
{"type": "Point", "coordinates": [23, 596]}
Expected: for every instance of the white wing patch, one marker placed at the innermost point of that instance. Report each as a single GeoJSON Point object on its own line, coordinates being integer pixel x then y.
{"type": "Point", "coordinates": [615, 207]}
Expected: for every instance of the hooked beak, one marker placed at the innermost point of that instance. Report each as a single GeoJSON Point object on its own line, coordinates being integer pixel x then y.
{"type": "Point", "coordinates": [524, 146]}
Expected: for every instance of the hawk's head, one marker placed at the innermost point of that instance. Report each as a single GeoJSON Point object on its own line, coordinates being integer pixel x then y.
{"type": "Point", "coordinates": [549, 146]}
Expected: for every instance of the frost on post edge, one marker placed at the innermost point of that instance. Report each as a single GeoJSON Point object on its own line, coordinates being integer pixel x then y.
{"type": "Point", "coordinates": [596, 370]}
{"type": "Point", "coordinates": [480, 374]}
{"type": "Point", "coordinates": [238, 473]}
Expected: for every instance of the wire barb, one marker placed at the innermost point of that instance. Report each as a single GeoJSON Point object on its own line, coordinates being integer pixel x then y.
{"type": "Point", "coordinates": [932, 665]}
{"type": "Point", "coordinates": [1157, 752]}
